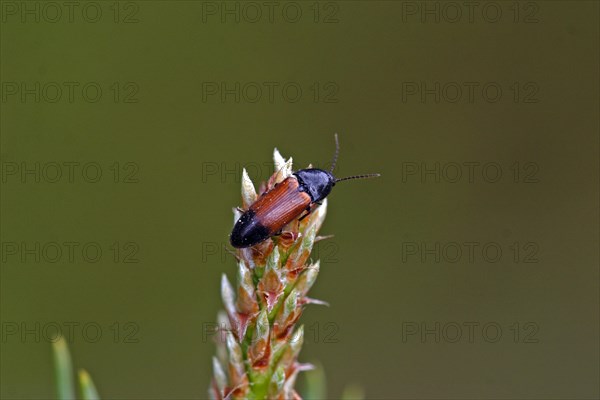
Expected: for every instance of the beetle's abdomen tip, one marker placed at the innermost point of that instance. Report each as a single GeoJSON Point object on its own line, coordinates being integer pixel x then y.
{"type": "Point", "coordinates": [237, 237]}
{"type": "Point", "coordinates": [236, 241]}
{"type": "Point", "coordinates": [248, 231]}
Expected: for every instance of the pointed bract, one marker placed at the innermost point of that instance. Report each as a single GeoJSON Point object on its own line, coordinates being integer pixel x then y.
{"type": "Point", "coordinates": [297, 340]}
{"type": "Point", "coordinates": [277, 382]}
{"type": "Point", "coordinates": [287, 316]}
{"type": "Point", "coordinates": [298, 256]}
{"type": "Point", "coordinates": [220, 377]}
{"type": "Point", "coordinates": [260, 348]}
{"type": "Point", "coordinates": [271, 285]}
{"type": "Point", "coordinates": [308, 278]}
{"type": "Point", "coordinates": [309, 300]}
{"type": "Point", "coordinates": [288, 386]}
{"type": "Point", "coordinates": [220, 336]}
{"type": "Point", "coordinates": [278, 160]}
{"type": "Point", "coordinates": [239, 321]}
{"type": "Point", "coordinates": [237, 372]}
{"type": "Point", "coordinates": [248, 191]}
{"type": "Point", "coordinates": [227, 296]}
{"type": "Point", "coordinates": [236, 359]}
{"type": "Point", "coordinates": [317, 217]}
{"type": "Point", "coordinates": [246, 300]}
{"type": "Point", "coordinates": [280, 174]}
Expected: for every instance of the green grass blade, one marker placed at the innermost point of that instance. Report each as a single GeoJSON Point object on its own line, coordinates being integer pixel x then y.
{"type": "Point", "coordinates": [63, 370]}
{"type": "Point", "coordinates": [316, 384]}
{"type": "Point", "coordinates": [88, 390]}
{"type": "Point", "coordinates": [353, 392]}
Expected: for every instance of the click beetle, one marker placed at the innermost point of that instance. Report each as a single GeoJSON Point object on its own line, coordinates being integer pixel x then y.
{"type": "Point", "coordinates": [285, 202]}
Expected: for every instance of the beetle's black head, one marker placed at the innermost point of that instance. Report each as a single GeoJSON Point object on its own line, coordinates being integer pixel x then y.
{"type": "Point", "coordinates": [316, 182]}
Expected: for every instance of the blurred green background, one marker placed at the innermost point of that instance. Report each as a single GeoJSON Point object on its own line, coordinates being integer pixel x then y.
{"type": "Point", "coordinates": [170, 131]}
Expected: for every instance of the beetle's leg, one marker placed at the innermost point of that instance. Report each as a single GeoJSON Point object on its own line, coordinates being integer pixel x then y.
{"type": "Point", "coordinates": [304, 216]}
{"type": "Point", "coordinates": [233, 253]}
{"type": "Point", "coordinates": [240, 209]}
{"type": "Point", "coordinates": [308, 211]}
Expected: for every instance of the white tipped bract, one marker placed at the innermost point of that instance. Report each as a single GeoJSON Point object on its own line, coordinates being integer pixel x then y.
{"type": "Point", "coordinates": [248, 190]}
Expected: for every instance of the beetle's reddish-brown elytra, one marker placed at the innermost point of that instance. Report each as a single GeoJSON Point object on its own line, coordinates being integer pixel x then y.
{"type": "Point", "coordinates": [285, 202]}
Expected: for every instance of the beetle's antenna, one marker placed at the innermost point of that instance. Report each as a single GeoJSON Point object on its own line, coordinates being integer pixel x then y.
{"type": "Point", "coordinates": [337, 152]}
{"type": "Point", "coordinates": [358, 177]}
